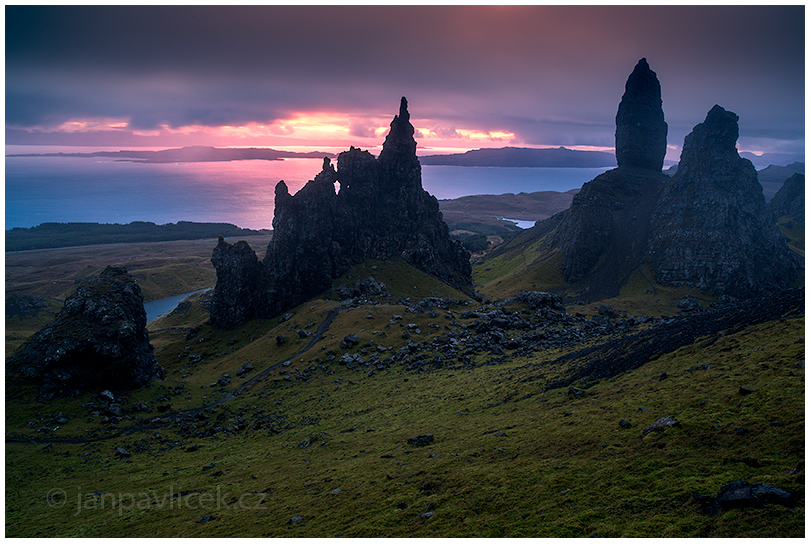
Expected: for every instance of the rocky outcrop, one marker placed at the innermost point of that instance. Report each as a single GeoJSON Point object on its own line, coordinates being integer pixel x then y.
{"type": "Point", "coordinates": [641, 135]}
{"type": "Point", "coordinates": [790, 199]}
{"type": "Point", "coordinates": [712, 229]}
{"type": "Point", "coordinates": [381, 212]}
{"type": "Point", "coordinates": [707, 227]}
{"type": "Point", "coordinates": [240, 276]}
{"type": "Point", "coordinates": [97, 341]}
{"type": "Point", "coordinates": [608, 220]}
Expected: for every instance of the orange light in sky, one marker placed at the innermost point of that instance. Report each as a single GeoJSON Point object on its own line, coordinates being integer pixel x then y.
{"type": "Point", "coordinates": [89, 125]}
{"type": "Point", "coordinates": [303, 129]}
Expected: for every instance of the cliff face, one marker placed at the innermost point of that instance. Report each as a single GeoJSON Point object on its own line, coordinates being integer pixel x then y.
{"type": "Point", "coordinates": [608, 220]}
{"type": "Point", "coordinates": [711, 228]}
{"type": "Point", "coordinates": [97, 341]}
{"type": "Point", "coordinates": [380, 212]}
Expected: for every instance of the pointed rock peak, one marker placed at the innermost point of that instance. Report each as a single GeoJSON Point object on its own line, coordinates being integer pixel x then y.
{"type": "Point", "coordinates": [641, 136]}
{"type": "Point", "coordinates": [400, 139]}
{"type": "Point", "coordinates": [718, 133]}
{"type": "Point", "coordinates": [281, 190]}
{"type": "Point", "coordinates": [327, 169]}
{"type": "Point", "coordinates": [642, 82]}
{"type": "Point", "coordinates": [404, 115]}
{"type": "Point", "coordinates": [401, 122]}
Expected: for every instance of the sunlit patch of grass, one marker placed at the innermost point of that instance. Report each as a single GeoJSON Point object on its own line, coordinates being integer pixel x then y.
{"type": "Point", "coordinates": [525, 268]}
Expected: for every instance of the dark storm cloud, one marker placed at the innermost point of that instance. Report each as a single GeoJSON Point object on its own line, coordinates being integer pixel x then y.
{"type": "Point", "coordinates": [551, 74]}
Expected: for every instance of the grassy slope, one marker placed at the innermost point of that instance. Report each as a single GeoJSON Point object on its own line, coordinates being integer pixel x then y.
{"type": "Point", "coordinates": [563, 468]}
{"type": "Point", "coordinates": [795, 232]}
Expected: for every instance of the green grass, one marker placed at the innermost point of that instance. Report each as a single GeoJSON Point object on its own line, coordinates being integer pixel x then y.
{"type": "Point", "coordinates": [402, 279]}
{"type": "Point", "coordinates": [552, 474]}
{"type": "Point", "coordinates": [524, 268]}
{"type": "Point", "coordinates": [563, 468]}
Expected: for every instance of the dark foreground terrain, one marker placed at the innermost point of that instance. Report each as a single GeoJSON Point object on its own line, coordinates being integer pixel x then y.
{"type": "Point", "coordinates": [419, 411]}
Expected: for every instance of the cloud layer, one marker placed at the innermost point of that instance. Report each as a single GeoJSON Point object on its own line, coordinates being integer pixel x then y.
{"type": "Point", "coordinates": [549, 75]}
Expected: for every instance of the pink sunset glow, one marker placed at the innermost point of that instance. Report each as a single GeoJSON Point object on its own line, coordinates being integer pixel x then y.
{"type": "Point", "coordinates": [332, 76]}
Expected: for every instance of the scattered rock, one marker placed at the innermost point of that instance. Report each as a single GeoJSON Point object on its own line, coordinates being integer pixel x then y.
{"type": "Point", "coordinates": [107, 395]}
{"type": "Point", "coordinates": [295, 519]}
{"type": "Point", "coordinates": [244, 369]}
{"type": "Point", "coordinates": [139, 406]}
{"type": "Point", "coordinates": [625, 424]}
{"type": "Point", "coordinates": [206, 518]}
{"type": "Point", "coordinates": [121, 452]}
{"type": "Point", "coordinates": [350, 341]}
{"type": "Point", "coordinates": [606, 310]}
{"type": "Point", "coordinates": [661, 424]}
{"type": "Point", "coordinates": [421, 440]}
{"type": "Point", "coordinates": [742, 494]}
{"type": "Point", "coordinates": [689, 304]}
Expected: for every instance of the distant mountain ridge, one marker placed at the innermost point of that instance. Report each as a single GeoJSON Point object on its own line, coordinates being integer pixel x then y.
{"type": "Point", "coordinates": [197, 153]}
{"type": "Point", "coordinates": [560, 157]}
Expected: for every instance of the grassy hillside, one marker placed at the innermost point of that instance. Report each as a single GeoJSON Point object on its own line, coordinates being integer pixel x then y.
{"type": "Point", "coordinates": [306, 446]}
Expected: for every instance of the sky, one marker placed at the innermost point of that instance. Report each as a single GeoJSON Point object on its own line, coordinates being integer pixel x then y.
{"type": "Point", "coordinates": [319, 77]}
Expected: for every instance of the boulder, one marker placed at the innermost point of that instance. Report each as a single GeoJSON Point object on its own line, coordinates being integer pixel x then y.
{"type": "Point", "coordinates": [421, 440]}
{"type": "Point", "coordinates": [97, 341]}
{"type": "Point", "coordinates": [661, 424]}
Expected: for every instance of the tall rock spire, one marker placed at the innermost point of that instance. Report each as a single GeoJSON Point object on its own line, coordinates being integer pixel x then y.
{"type": "Point", "coordinates": [398, 158]}
{"type": "Point", "coordinates": [381, 212]}
{"type": "Point", "coordinates": [641, 135]}
{"type": "Point", "coordinates": [605, 229]}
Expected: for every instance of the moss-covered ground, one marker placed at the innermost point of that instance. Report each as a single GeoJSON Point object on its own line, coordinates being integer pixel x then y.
{"type": "Point", "coordinates": [313, 438]}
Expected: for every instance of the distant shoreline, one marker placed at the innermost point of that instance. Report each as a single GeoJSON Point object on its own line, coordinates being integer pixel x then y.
{"type": "Point", "coordinates": [189, 154]}
{"type": "Point", "coordinates": [68, 235]}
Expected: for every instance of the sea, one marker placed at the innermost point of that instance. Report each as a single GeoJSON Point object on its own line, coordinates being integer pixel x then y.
{"type": "Point", "coordinates": [102, 190]}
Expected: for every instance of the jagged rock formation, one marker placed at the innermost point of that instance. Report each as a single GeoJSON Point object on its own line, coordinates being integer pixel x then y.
{"type": "Point", "coordinates": [380, 212]}
{"type": "Point", "coordinates": [790, 199]}
{"type": "Point", "coordinates": [712, 229]}
{"type": "Point", "coordinates": [608, 220]}
{"type": "Point", "coordinates": [97, 341]}
{"type": "Point", "coordinates": [641, 135]}
{"type": "Point", "coordinates": [708, 227]}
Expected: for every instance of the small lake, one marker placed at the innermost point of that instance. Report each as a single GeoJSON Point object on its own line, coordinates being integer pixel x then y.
{"type": "Point", "coordinates": [162, 306]}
